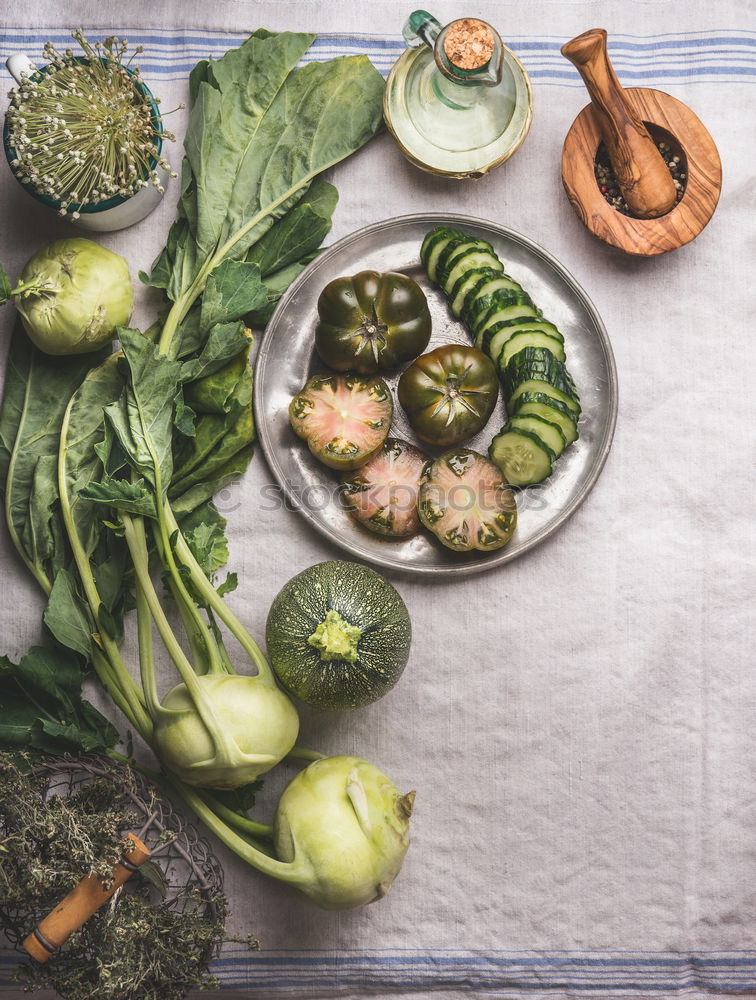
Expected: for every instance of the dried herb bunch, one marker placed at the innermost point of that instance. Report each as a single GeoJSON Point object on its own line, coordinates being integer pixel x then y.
{"type": "Point", "coordinates": [83, 129]}
{"type": "Point", "coordinates": [154, 939]}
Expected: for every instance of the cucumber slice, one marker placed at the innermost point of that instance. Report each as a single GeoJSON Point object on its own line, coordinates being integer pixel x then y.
{"type": "Point", "coordinates": [453, 251]}
{"type": "Point", "coordinates": [528, 338]}
{"type": "Point", "coordinates": [436, 248]}
{"type": "Point", "coordinates": [540, 325]}
{"type": "Point", "coordinates": [432, 237]}
{"type": "Point", "coordinates": [506, 316]}
{"type": "Point", "coordinates": [488, 305]}
{"type": "Point", "coordinates": [494, 281]}
{"type": "Point", "coordinates": [550, 408]}
{"type": "Point", "coordinates": [540, 386]}
{"type": "Point", "coordinates": [469, 284]}
{"type": "Point", "coordinates": [540, 364]}
{"type": "Point", "coordinates": [500, 339]}
{"type": "Point", "coordinates": [468, 262]}
{"type": "Point", "coordinates": [521, 456]}
{"type": "Point", "coordinates": [546, 432]}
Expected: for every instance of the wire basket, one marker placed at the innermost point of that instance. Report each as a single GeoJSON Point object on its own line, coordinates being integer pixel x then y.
{"type": "Point", "coordinates": [176, 903]}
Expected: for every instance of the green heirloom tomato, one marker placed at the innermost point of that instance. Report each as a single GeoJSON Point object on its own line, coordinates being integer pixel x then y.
{"type": "Point", "coordinates": [371, 322]}
{"type": "Point", "coordinates": [449, 394]}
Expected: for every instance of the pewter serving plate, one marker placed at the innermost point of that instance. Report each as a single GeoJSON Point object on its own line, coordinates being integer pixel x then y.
{"type": "Point", "coordinates": [287, 359]}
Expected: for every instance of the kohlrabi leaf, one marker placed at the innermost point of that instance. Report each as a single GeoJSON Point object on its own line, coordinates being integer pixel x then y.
{"type": "Point", "coordinates": [218, 439]}
{"type": "Point", "coordinates": [275, 285]}
{"type": "Point", "coordinates": [142, 417]}
{"type": "Point", "coordinates": [204, 533]}
{"type": "Point", "coordinates": [215, 393]}
{"type": "Point", "coordinates": [299, 232]}
{"type": "Point", "coordinates": [37, 390]}
{"type": "Point", "coordinates": [233, 289]}
{"type": "Point", "coordinates": [194, 496]}
{"type": "Point", "coordinates": [5, 285]}
{"type": "Point", "coordinates": [123, 494]}
{"type": "Point", "coordinates": [41, 707]}
{"type": "Point", "coordinates": [229, 585]}
{"type": "Point", "coordinates": [184, 416]}
{"type": "Point", "coordinates": [258, 135]}
{"type": "Point", "coordinates": [67, 615]}
{"type": "Point", "coordinates": [224, 342]}
{"type": "Point", "coordinates": [90, 449]}
{"type": "Point", "coordinates": [241, 800]}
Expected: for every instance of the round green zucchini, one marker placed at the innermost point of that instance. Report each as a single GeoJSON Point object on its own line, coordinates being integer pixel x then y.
{"type": "Point", "coordinates": [338, 636]}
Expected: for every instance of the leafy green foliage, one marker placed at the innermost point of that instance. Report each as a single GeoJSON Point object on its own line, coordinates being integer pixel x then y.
{"type": "Point", "coordinates": [5, 286]}
{"type": "Point", "coordinates": [37, 390]}
{"type": "Point", "coordinates": [233, 289]}
{"type": "Point", "coordinates": [203, 530]}
{"type": "Point", "coordinates": [258, 135]}
{"type": "Point", "coordinates": [41, 707]}
{"type": "Point", "coordinates": [142, 417]}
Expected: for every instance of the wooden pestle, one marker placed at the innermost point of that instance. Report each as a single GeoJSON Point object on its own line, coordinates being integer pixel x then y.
{"type": "Point", "coordinates": [81, 903]}
{"type": "Point", "coordinates": [643, 177]}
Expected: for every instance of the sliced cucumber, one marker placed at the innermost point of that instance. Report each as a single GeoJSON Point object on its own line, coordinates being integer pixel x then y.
{"type": "Point", "coordinates": [507, 316]}
{"type": "Point", "coordinates": [522, 457]}
{"type": "Point", "coordinates": [496, 281]}
{"type": "Point", "coordinates": [468, 284]}
{"type": "Point", "coordinates": [436, 248]}
{"type": "Point", "coordinates": [489, 305]}
{"type": "Point", "coordinates": [500, 339]}
{"type": "Point", "coordinates": [537, 363]}
{"type": "Point", "coordinates": [528, 338]}
{"type": "Point", "coordinates": [541, 386]}
{"type": "Point", "coordinates": [468, 262]}
{"type": "Point", "coordinates": [546, 432]}
{"type": "Point", "coordinates": [550, 408]}
{"type": "Point", "coordinates": [540, 325]}
{"type": "Point", "coordinates": [433, 236]}
{"type": "Point", "coordinates": [454, 251]}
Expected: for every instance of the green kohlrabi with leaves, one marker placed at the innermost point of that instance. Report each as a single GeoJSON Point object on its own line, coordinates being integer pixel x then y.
{"type": "Point", "coordinates": [110, 466]}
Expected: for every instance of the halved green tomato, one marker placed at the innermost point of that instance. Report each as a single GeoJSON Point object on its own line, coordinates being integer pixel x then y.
{"type": "Point", "coordinates": [343, 418]}
{"type": "Point", "coordinates": [466, 503]}
{"type": "Point", "coordinates": [382, 495]}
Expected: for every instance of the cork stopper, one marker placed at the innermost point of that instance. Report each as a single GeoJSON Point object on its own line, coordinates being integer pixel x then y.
{"type": "Point", "coordinates": [469, 43]}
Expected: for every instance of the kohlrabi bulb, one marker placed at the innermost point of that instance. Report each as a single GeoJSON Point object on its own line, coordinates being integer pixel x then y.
{"type": "Point", "coordinates": [248, 725]}
{"type": "Point", "coordinates": [72, 295]}
{"type": "Point", "coordinates": [345, 827]}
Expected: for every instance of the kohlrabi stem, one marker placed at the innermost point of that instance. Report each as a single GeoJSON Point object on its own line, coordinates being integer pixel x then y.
{"type": "Point", "coordinates": [146, 653]}
{"type": "Point", "coordinates": [242, 823]}
{"type": "Point", "coordinates": [209, 594]}
{"type": "Point", "coordinates": [137, 545]}
{"type": "Point", "coordinates": [200, 660]}
{"type": "Point", "coordinates": [290, 872]}
{"type": "Point", "coordinates": [32, 287]}
{"type": "Point", "coordinates": [118, 675]}
{"type": "Point", "coordinates": [302, 753]}
{"type": "Point", "coordinates": [184, 598]}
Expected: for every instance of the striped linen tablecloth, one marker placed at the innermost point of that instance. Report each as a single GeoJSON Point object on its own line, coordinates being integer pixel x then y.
{"type": "Point", "coordinates": [579, 724]}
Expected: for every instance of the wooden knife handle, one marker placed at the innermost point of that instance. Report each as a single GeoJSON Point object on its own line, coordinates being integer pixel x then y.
{"type": "Point", "coordinates": [642, 175]}
{"type": "Point", "coordinates": [79, 905]}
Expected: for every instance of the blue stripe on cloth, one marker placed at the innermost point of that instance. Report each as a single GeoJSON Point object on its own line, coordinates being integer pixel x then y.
{"type": "Point", "coordinates": [721, 55]}
{"type": "Point", "coordinates": [589, 974]}
{"type": "Point", "coordinates": [582, 973]}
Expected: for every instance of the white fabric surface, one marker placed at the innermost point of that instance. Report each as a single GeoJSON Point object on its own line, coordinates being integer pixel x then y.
{"type": "Point", "coordinates": [578, 724]}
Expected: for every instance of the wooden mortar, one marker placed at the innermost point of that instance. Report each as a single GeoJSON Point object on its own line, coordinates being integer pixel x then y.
{"type": "Point", "coordinates": [620, 118]}
{"type": "Point", "coordinates": [79, 905]}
